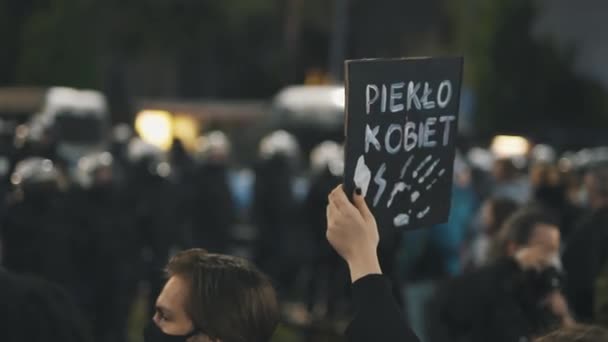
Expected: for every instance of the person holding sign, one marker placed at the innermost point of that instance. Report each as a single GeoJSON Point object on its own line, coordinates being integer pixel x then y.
{"type": "Point", "coordinates": [353, 233]}
{"type": "Point", "coordinates": [221, 298]}
{"type": "Point", "coordinates": [401, 128]}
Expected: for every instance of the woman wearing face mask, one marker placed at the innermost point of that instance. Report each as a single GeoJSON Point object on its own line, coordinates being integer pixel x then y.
{"type": "Point", "coordinates": [515, 298]}
{"type": "Point", "coordinates": [213, 297]}
{"type": "Point", "coordinates": [219, 298]}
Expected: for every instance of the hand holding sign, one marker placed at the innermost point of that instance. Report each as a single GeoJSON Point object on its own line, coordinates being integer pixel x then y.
{"type": "Point", "coordinates": [401, 126]}
{"type": "Point", "coordinates": [353, 233]}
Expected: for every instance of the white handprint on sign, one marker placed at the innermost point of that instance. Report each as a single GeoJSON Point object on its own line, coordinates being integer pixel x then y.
{"type": "Point", "coordinates": [399, 187]}
{"type": "Point", "coordinates": [420, 175]}
{"type": "Point", "coordinates": [423, 179]}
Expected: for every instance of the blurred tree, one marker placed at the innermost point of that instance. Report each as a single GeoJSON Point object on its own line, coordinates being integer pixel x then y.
{"type": "Point", "coordinates": [523, 82]}
{"type": "Point", "coordinates": [199, 48]}
{"type": "Point", "coordinates": [207, 40]}
{"type": "Point", "coordinates": [13, 14]}
{"type": "Point", "coordinates": [58, 45]}
{"type": "Point", "coordinates": [395, 28]}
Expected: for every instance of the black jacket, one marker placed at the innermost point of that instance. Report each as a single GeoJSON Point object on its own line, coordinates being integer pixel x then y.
{"type": "Point", "coordinates": [497, 303]}
{"type": "Point", "coordinates": [584, 257]}
{"type": "Point", "coordinates": [33, 309]}
{"type": "Point", "coordinates": [377, 317]}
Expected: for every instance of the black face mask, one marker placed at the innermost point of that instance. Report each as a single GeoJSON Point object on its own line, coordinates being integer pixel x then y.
{"type": "Point", "coordinates": [541, 283]}
{"type": "Point", "coordinates": [152, 333]}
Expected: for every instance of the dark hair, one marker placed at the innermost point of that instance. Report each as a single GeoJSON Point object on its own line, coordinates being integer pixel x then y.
{"type": "Point", "coordinates": [600, 177]}
{"type": "Point", "coordinates": [502, 208]}
{"type": "Point", "coordinates": [229, 299]}
{"type": "Point", "coordinates": [505, 167]}
{"type": "Point", "coordinates": [577, 333]}
{"type": "Point", "coordinates": [519, 227]}
{"type": "Point", "coordinates": [545, 175]}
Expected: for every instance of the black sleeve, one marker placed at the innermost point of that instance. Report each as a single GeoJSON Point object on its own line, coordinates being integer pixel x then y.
{"type": "Point", "coordinates": [462, 303]}
{"type": "Point", "coordinates": [581, 249]}
{"type": "Point", "coordinates": [495, 303]}
{"type": "Point", "coordinates": [377, 316]}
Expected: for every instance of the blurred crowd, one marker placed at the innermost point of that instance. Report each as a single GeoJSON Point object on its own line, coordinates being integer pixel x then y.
{"type": "Point", "coordinates": [523, 250]}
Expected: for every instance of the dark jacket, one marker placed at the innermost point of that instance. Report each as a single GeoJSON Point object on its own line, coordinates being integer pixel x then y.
{"type": "Point", "coordinates": [498, 303]}
{"type": "Point", "coordinates": [584, 257]}
{"type": "Point", "coordinates": [377, 317]}
{"type": "Point", "coordinates": [211, 207]}
{"type": "Point", "coordinates": [36, 236]}
{"type": "Point", "coordinates": [34, 310]}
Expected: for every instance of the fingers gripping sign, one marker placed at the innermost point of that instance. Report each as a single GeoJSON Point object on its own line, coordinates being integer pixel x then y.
{"type": "Point", "coordinates": [352, 232]}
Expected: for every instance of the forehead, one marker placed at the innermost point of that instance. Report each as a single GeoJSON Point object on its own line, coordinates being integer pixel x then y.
{"type": "Point", "coordinates": [174, 294]}
{"type": "Point", "coordinates": [545, 233]}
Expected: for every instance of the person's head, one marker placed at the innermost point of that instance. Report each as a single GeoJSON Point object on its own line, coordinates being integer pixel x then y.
{"type": "Point", "coordinates": [36, 180]}
{"type": "Point", "coordinates": [213, 297]}
{"type": "Point", "coordinates": [596, 184]}
{"type": "Point", "coordinates": [577, 333]}
{"type": "Point", "coordinates": [572, 187]}
{"type": "Point", "coordinates": [495, 211]}
{"type": "Point", "coordinates": [544, 175]}
{"type": "Point", "coordinates": [214, 148]}
{"type": "Point", "coordinates": [504, 170]}
{"type": "Point", "coordinates": [280, 150]}
{"type": "Point", "coordinates": [530, 227]}
{"type": "Point", "coordinates": [95, 170]}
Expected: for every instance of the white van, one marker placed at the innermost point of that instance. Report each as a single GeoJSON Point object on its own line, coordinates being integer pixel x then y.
{"type": "Point", "coordinates": [79, 120]}
{"type": "Point", "coordinates": [312, 113]}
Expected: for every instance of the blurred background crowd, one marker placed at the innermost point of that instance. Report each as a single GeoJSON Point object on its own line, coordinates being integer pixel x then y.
{"type": "Point", "coordinates": [133, 129]}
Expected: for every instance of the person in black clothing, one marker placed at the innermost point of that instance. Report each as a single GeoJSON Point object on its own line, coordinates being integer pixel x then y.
{"type": "Point", "coordinates": [107, 254]}
{"type": "Point", "coordinates": [5, 186]}
{"type": "Point", "coordinates": [151, 196]}
{"type": "Point", "coordinates": [122, 133]}
{"type": "Point", "coordinates": [549, 189]}
{"type": "Point", "coordinates": [586, 253]}
{"type": "Point", "coordinates": [35, 234]}
{"type": "Point", "coordinates": [329, 275]}
{"type": "Point", "coordinates": [275, 208]}
{"type": "Point", "coordinates": [210, 205]}
{"type": "Point", "coordinates": [513, 299]}
{"type": "Point", "coordinates": [36, 310]}
{"type": "Point", "coordinates": [181, 162]}
{"type": "Point", "coordinates": [353, 233]}
{"type": "Point", "coordinates": [213, 297]}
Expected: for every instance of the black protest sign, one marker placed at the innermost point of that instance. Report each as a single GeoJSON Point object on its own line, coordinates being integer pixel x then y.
{"type": "Point", "coordinates": [401, 128]}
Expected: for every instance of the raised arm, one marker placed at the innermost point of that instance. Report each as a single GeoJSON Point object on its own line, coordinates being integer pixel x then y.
{"type": "Point", "coordinates": [353, 233]}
